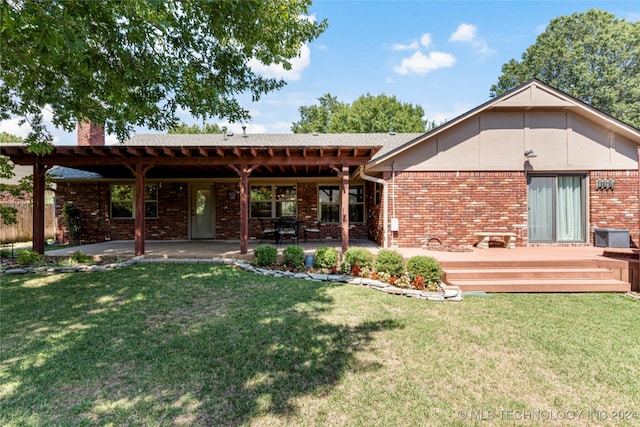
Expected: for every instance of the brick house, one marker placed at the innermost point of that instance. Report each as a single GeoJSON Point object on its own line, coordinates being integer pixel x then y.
{"type": "Point", "coordinates": [533, 161]}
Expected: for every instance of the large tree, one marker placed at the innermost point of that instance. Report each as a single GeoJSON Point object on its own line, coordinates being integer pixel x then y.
{"type": "Point", "coordinates": [592, 56]}
{"type": "Point", "coordinates": [127, 63]}
{"type": "Point", "coordinates": [375, 114]}
{"type": "Point", "coordinates": [206, 128]}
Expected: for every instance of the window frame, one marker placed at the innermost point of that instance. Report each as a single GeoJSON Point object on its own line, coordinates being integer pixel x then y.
{"type": "Point", "coordinates": [338, 203]}
{"type": "Point", "coordinates": [132, 201]}
{"type": "Point", "coordinates": [275, 201]}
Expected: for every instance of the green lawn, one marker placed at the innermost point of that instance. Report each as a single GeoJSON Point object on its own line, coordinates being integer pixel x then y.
{"type": "Point", "coordinates": [209, 345]}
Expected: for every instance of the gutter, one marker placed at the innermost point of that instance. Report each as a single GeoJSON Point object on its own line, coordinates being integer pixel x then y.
{"type": "Point", "coordinates": [385, 197]}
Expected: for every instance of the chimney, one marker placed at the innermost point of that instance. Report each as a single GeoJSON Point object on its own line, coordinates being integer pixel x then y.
{"type": "Point", "coordinates": [90, 134]}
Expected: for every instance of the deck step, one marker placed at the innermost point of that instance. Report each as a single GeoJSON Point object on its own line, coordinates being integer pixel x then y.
{"type": "Point", "coordinates": [534, 276]}
{"type": "Point", "coordinates": [542, 285]}
{"type": "Point", "coordinates": [528, 273]}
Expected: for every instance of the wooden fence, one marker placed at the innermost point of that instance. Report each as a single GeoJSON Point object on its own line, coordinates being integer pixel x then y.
{"type": "Point", "coordinates": [22, 230]}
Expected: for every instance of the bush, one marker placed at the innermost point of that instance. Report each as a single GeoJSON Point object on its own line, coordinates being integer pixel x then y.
{"type": "Point", "coordinates": [265, 255]}
{"type": "Point", "coordinates": [79, 257]}
{"type": "Point", "coordinates": [326, 258]}
{"type": "Point", "coordinates": [427, 267]}
{"type": "Point", "coordinates": [294, 257]}
{"type": "Point", "coordinates": [29, 257]}
{"type": "Point", "coordinates": [362, 256]}
{"type": "Point", "coordinates": [390, 262]}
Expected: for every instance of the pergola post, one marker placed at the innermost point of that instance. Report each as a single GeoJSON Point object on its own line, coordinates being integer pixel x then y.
{"type": "Point", "coordinates": [139, 172]}
{"type": "Point", "coordinates": [39, 188]}
{"type": "Point", "coordinates": [244, 210]}
{"type": "Point", "coordinates": [243, 172]}
{"type": "Point", "coordinates": [344, 207]}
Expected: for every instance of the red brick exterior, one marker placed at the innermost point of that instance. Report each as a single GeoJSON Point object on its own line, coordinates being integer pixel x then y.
{"type": "Point", "coordinates": [173, 214]}
{"type": "Point", "coordinates": [90, 134]}
{"type": "Point", "coordinates": [617, 208]}
{"type": "Point", "coordinates": [452, 206]}
{"type": "Point", "coordinates": [96, 225]}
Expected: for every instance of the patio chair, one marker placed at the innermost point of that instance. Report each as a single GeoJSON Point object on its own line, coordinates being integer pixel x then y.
{"type": "Point", "coordinates": [288, 228]}
{"type": "Point", "coordinates": [267, 231]}
{"type": "Point", "coordinates": [306, 230]}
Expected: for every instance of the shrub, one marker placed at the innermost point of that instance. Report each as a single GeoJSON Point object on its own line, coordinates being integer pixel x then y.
{"type": "Point", "coordinates": [71, 215]}
{"type": "Point", "coordinates": [294, 257]}
{"type": "Point", "coordinates": [326, 258]}
{"type": "Point", "coordinates": [80, 257]}
{"type": "Point", "coordinates": [265, 255]}
{"type": "Point", "coordinates": [425, 266]}
{"type": "Point", "coordinates": [29, 257]}
{"type": "Point", "coordinates": [390, 262]}
{"type": "Point", "coordinates": [362, 256]}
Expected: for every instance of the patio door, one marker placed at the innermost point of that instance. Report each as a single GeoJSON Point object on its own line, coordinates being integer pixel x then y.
{"type": "Point", "coordinates": [202, 212]}
{"type": "Point", "coordinates": [557, 206]}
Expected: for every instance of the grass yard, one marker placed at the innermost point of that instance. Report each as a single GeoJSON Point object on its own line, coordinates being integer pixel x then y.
{"type": "Point", "coordinates": [209, 345]}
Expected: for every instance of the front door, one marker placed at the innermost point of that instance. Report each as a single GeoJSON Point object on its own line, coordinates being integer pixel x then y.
{"type": "Point", "coordinates": [202, 212]}
{"type": "Point", "coordinates": [556, 208]}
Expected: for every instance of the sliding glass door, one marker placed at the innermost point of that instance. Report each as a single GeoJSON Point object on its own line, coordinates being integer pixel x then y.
{"type": "Point", "coordinates": [557, 206]}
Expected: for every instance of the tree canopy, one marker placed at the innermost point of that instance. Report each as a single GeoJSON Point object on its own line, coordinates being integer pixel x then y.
{"type": "Point", "coordinates": [367, 114]}
{"type": "Point", "coordinates": [592, 56]}
{"type": "Point", "coordinates": [127, 63]}
{"type": "Point", "coordinates": [205, 128]}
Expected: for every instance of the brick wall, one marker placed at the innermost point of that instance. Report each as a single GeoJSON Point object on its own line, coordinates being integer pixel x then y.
{"type": "Point", "coordinates": [617, 208]}
{"type": "Point", "coordinates": [452, 206]}
{"type": "Point", "coordinates": [173, 214]}
{"type": "Point", "coordinates": [96, 225]}
{"type": "Point", "coordinates": [90, 134]}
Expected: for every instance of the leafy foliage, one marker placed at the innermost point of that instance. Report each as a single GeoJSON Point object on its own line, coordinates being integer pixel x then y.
{"type": "Point", "coordinates": [367, 114]}
{"type": "Point", "coordinates": [428, 268]}
{"type": "Point", "coordinates": [592, 56]}
{"type": "Point", "coordinates": [29, 257]}
{"type": "Point", "coordinates": [294, 256]}
{"type": "Point", "coordinates": [326, 257]}
{"type": "Point", "coordinates": [184, 128]}
{"type": "Point", "coordinates": [137, 63]}
{"type": "Point", "coordinates": [265, 255]}
{"type": "Point", "coordinates": [362, 256]}
{"type": "Point", "coordinates": [72, 221]}
{"type": "Point", "coordinates": [390, 262]}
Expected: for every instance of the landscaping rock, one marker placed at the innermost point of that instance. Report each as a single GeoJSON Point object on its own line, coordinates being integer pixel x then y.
{"type": "Point", "coordinates": [15, 271]}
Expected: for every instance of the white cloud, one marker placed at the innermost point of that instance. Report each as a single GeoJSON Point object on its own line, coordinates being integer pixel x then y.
{"type": "Point", "coordinates": [467, 33]}
{"type": "Point", "coordinates": [409, 46]}
{"type": "Point", "coordinates": [298, 65]}
{"type": "Point", "coordinates": [419, 63]}
{"type": "Point", "coordinates": [426, 40]}
{"type": "Point", "coordinates": [464, 33]}
{"type": "Point", "coordinates": [11, 126]}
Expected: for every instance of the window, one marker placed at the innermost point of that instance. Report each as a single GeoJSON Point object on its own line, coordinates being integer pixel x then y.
{"type": "Point", "coordinates": [329, 203]}
{"type": "Point", "coordinates": [273, 201]}
{"type": "Point", "coordinates": [356, 203]}
{"type": "Point", "coordinates": [122, 201]}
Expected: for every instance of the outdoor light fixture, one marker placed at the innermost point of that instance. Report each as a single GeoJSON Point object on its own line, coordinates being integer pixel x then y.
{"type": "Point", "coordinates": [529, 154]}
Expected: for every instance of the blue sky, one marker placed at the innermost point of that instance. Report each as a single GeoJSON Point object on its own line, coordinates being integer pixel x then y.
{"type": "Point", "coordinates": [441, 55]}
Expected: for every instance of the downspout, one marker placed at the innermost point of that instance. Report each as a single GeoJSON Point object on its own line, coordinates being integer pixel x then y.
{"type": "Point", "coordinates": [385, 198]}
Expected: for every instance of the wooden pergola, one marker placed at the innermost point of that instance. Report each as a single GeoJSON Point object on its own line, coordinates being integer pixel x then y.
{"type": "Point", "coordinates": [151, 161]}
